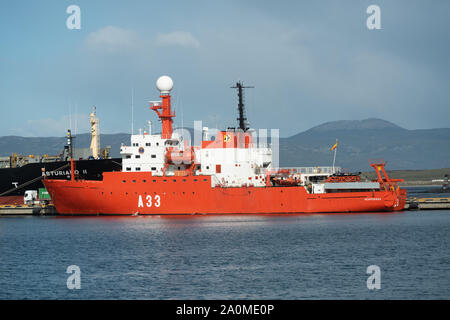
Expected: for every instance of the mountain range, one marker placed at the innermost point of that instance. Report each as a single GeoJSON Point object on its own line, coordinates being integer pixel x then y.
{"type": "Point", "coordinates": [358, 141]}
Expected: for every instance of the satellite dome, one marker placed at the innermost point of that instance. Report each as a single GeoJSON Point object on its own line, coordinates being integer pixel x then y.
{"type": "Point", "coordinates": [164, 84]}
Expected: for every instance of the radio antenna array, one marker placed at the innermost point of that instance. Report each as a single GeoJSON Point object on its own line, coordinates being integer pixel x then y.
{"type": "Point", "coordinates": [241, 108]}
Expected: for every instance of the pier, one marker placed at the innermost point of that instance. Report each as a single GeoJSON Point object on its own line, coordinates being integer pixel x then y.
{"type": "Point", "coordinates": [412, 204]}
{"type": "Point", "coordinates": [427, 203]}
{"type": "Point", "coordinates": [24, 210]}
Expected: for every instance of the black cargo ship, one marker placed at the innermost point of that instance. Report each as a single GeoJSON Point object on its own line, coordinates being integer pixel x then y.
{"type": "Point", "coordinates": [15, 181]}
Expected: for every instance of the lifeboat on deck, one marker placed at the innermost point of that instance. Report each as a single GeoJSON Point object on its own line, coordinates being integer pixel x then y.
{"type": "Point", "coordinates": [177, 156]}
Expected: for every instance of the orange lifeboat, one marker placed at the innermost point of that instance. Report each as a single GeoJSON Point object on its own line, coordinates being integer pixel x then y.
{"type": "Point", "coordinates": [288, 182]}
{"type": "Point", "coordinates": [177, 156]}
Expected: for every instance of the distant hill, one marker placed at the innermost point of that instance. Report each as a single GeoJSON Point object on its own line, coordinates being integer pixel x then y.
{"type": "Point", "coordinates": [367, 124]}
{"type": "Point", "coordinates": [359, 141]}
{"type": "Point", "coordinates": [54, 145]}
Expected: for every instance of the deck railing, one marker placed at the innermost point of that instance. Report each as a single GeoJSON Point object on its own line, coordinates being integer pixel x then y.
{"type": "Point", "coordinates": [309, 170]}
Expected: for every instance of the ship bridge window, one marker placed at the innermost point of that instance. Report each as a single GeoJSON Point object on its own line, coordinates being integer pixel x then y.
{"type": "Point", "coordinates": [128, 169]}
{"type": "Point", "coordinates": [138, 169]}
{"type": "Point", "coordinates": [153, 168]}
{"type": "Point", "coordinates": [148, 144]}
{"type": "Point", "coordinates": [157, 143]}
{"type": "Point", "coordinates": [128, 157]}
{"type": "Point", "coordinates": [138, 156]}
{"type": "Point", "coordinates": [153, 155]}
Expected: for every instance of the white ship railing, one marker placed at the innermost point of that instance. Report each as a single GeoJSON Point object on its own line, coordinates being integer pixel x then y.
{"type": "Point", "coordinates": [309, 170]}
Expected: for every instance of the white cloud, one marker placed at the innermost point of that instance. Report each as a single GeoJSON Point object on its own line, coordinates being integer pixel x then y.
{"type": "Point", "coordinates": [177, 38]}
{"type": "Point", "coordinates": [112, 39]}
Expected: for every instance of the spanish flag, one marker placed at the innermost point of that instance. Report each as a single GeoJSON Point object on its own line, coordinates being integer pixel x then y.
{"type": "Point", "coordinates": [334, 147]}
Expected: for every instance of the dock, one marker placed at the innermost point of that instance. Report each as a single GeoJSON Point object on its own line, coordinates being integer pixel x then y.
{"type": "Point", "coordinates": [23, 210]}
{"type": "Point", "coordinates": [427, 203]}
{"type": "Point", "coordinates": [412, 204]}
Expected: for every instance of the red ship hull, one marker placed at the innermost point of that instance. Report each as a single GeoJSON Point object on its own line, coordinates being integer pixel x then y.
{"type": "Point", "coordinates": [141, 193]}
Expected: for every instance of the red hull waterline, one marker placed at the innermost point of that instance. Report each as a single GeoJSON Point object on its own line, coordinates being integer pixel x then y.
{"type": "Point", "coordinates": [141, 193]}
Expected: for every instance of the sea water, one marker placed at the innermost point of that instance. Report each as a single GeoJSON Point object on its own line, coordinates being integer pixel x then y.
{"type": "Point", "coordinates": [318, 256]}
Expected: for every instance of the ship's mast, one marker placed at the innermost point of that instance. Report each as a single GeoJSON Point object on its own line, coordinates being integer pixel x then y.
{"type": "Point", "coordinates": [95, 135]}
{"type": "Point", "coordinates": [241, 109]}
{"type": "Point", "coordinates": [164, 85]}
{"type": "Point", "coordinates": [70, 144]}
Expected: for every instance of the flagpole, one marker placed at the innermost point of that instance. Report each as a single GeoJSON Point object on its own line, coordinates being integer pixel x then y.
{"type": "Point", "coordinates": [334, 158]}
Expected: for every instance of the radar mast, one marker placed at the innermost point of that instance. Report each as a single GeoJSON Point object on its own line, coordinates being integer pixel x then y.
{"type": "Point", "coordinates": [241, 109]}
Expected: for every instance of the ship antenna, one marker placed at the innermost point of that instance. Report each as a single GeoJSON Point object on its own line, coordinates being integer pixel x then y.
{"type": "Point", "coordinates": [72, 164]}
{"type": "Point", "coordinates": [241, 108]}
{"type": "Point", "coordinates": [132, 111]}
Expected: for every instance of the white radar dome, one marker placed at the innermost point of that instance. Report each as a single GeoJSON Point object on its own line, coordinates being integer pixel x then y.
{"type": "Point", "coordinates": [164, 84]}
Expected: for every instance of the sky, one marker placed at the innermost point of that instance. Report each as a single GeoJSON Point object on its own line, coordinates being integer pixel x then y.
{"type": "Point", "coordinates": [310, 62]}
